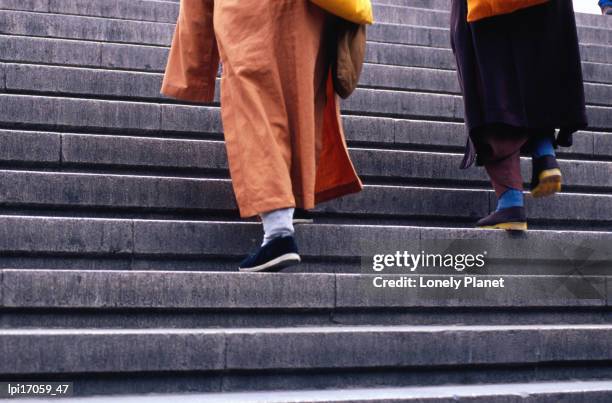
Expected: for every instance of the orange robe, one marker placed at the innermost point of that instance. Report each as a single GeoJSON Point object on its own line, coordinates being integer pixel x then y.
{"type": "Point", "coordinates": [282, 126]}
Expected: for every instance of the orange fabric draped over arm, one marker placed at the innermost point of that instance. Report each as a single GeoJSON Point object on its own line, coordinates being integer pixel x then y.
{"type": "Point", "coordinates": [194, 57]}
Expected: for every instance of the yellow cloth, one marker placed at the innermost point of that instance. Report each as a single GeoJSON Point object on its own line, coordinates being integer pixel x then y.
{"type": "Point", "coordinates": [479, 9]}
{"type": "Point", "coordinates": [357, 11]}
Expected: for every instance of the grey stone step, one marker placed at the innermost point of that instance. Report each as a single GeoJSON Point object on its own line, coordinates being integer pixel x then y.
{"type": "Point", "coordinates": [443, 58]}
{"type": "Point", "coordinates": [90, 114]}
{"type": "Point", "coordinates": [43, 148]}
{"type": "Point", "coordinates": [130, 117]}
{"type": "Point", "coordinates": [408, 164]}
{"type": "Point", "coordinates": [440, 17]}
{"type": "Point", "coordinates": [468, 310]}
{"type": "Point", "coordinates": [343, 347]}
{"type": "Point", "coordinates": [137, 291]}
{"type": "Point", "coordinates": [440, 37]}
{"type": "Point", "coordinates": [19, 189]}
{"type": "Point", "coordinates": [390, 14]}
{"type": "Point", "coordinates": [209, 156]}
{"type": "Point", "coordinates": [27, 110]}
{"type": "Point", "coordinates": [393, 11]}
{"type": "Point", "coordinates": [146, 193]}
{"type": "Point", "coordinates": [597, 391]}
{"type": "Point", "coordinates": [85, 28]}
{"type": "Point", "coordinates": [533, 251]}
{"type": "Point", "coordinates": [157, 33]}
{"type": "Point", "coordinates": [445, 5]}
{"type": "Point", "coordinates": [159, 11]}
{"type": "Point", "coordinates": [417, 13]}
{"type": "Point", "coordinates": [83, 53]}
{"type": "Point", "coordinates": [153, 58]}
{"type": "Point", "coordinates": [428, 4]}
{"type": "Point", "coordinates": [164, 11]}
{"type": "Point", "coordinates": [137, 85]}
{"type": "Point", "coordinates": [434, 106]}
{"type": "Point", "coordinates": [153, 299]}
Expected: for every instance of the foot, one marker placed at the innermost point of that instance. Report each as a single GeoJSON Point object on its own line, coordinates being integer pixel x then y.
{"type": "Point", "coordinates": [607, 10]}
{"type": "Point", "coordinates": [275, 255]}
{"type": "Point", "coordinates": [301, 216]}
{"type": "Point", "coordinates": [512, 218]}
{"type": "Point", "coordinates": [546, 177]}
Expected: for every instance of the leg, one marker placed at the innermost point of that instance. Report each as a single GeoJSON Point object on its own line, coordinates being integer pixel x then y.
{"type": "Point", "coordinates": [272, 100]}
{"type": "Point", "coordinates": [277, 223]}
{"type": "Point", "coordinates": [278, 249]}
{"type": "Point", "coordinates": [505, 173]}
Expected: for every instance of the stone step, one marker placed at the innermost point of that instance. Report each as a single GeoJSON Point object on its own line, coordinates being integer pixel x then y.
{"type": "Point", "coordinates": [440, 17]}
{"type": "Point", "coordinates": [53, 149]}
{"type": "Point", "coordinates": [140, 10]}
{"type": "Point", "coordinates": [417, 13]}
{"type": "Point", "coordinates": [207, 157]}
{"type": "Point", "coordinates": [596, 391]}
{"type": "Point", "coordinates": [103, 193]}
{"type": "Point", "coordinates": [73, 351]}
{"type": "Point", "coordinates": [390, 133]}
{"type": "Point", "coordinates": [42, 112]}
{"type": "Point", "coordinates": [138, 291]}
{"type": "Point", "coordinates": [26, 23]}
{"type": "Point", "coordinates": [394, 9]}
{"type": "Point", "coordinates": [43, 242]}
{"type": "Point", "coordinates": [153, 58]}
{"type": "Point", "coordinates": [32, 79]}
{"type": "Point", "coordinates": [440, 37]}
{"type": "Point", "coordinates": [428, 4]}
{"type": "Point", "coordinates": [163, 11]}
{"type": "Point", "coordinates": [443, 58]}
{"type": "Point", "coordinates": [445, 5]}
{"type": "Point", "coordinates": [85, 28]}
{"type": "Point", "coordinates": [158, 299]}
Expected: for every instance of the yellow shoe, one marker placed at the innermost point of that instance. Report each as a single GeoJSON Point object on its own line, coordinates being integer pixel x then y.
{"type": "Point", "coordinates": [511, 219]}
{"type": "Point", "coordinates": [546, 179]}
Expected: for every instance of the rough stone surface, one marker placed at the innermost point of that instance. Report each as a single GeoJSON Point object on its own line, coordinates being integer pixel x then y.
{"type": "Point", "coordinates": [29, 146]}
{"type": "Point", "coordinates": [62, 235]}
{"type": "Point", "coordinates": [110, 351]}
{"type": "Point", "coordinates": [143, 289]}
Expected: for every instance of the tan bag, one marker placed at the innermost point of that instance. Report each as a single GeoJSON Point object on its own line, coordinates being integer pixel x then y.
{"type": "Point", "coordinates": [479, 9]}
{"type": "Point", "coordinates": [350, 55]}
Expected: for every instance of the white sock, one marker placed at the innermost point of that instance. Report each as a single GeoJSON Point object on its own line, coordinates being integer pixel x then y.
{"type": "Point", "coordinates": [277, 223]}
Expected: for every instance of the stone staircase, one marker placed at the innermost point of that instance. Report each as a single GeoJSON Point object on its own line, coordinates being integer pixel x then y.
{"type": "Point", "coordinates": [119, 238]}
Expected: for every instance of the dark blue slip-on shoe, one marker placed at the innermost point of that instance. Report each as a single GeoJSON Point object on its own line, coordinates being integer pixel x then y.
{"type": "Point", "coordinates": [511, 218]}
{"type": "Point", "coordinates": [277, 254]}
{"type": "Point", "coordinates": [301, 216]}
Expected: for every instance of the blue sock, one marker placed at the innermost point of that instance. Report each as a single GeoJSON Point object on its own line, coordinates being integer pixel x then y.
{"type": "Point", "coordinates": [543, 146]}
{"type": "Point", "coordinates": [510, 198]}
